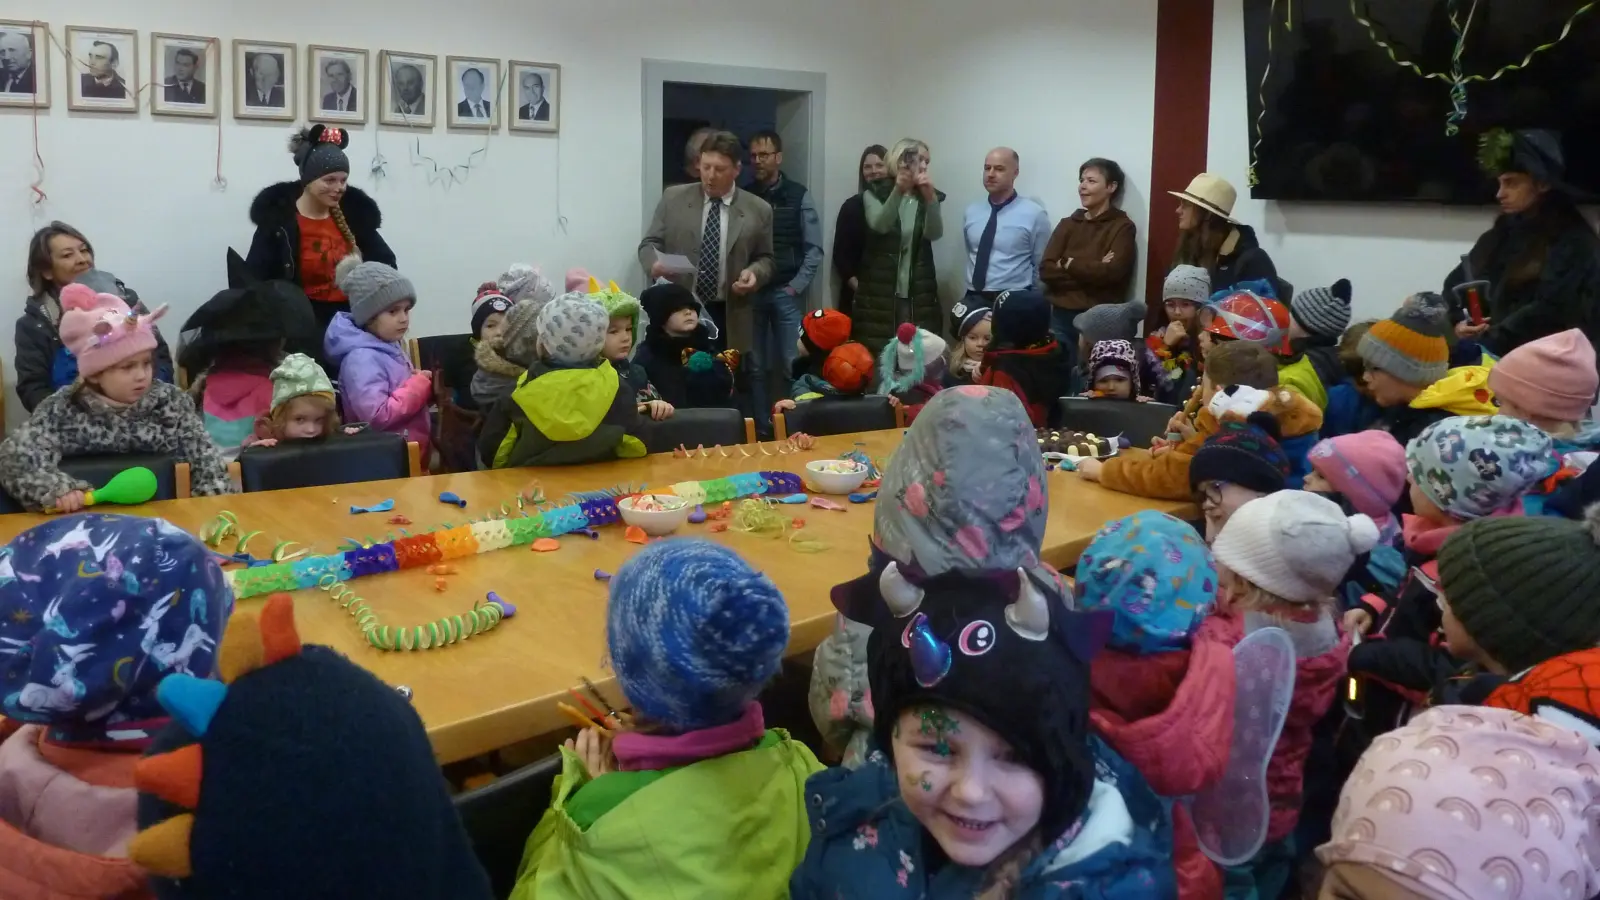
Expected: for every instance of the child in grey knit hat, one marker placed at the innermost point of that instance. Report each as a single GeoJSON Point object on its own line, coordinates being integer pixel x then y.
{"type": "Point", "coordinates": [377, 381]}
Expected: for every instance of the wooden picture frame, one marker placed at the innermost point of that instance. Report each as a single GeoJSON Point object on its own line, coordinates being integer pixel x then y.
{"type": "Point", "coordinates": [25, 83]}
{"type": "Point", "coordinates": [523, 115]}
{"type": "Point", "coordinates": [396, 71]}
{"type": "Point", "coordinates": [197, 95]}
{"type": "Point", "coordinates": [323, 91]}
{"type": "Point", "coordinates": [256, 94]}
{"type": "Point", "coordinates": [456, 84]}
{"type": "Point", "coordinates": [103, 73]}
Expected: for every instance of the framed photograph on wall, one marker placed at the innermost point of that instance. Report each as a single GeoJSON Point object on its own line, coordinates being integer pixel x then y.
{"type": "Point", "coordinates": [104, 73]}
{"type": "Point", "coordinates": [336, 84]}
{"type": "Point", "coordinates": [24, 63]}
{"type": "Point", "coordinates": [472, 89]}
{"type": "Point", "coordinates": [535, 96]}
{"type": "Point", "coordinates": [184, 71]}
{"type": "Point", "coordinates": [407, 95]}
{"type": "Point", "coordinates": [263, 80]}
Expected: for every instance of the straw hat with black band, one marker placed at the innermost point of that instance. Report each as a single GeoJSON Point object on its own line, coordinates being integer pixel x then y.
{"type": "Point", "coordinates": [1215, 195]}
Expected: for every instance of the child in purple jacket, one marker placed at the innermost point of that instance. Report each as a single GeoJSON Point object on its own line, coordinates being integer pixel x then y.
{"type": "Point", "coordinates": [377, 382]}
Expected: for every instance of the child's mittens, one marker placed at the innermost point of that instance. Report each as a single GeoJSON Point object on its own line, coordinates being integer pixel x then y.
{"type": "Point", "coordinates": [417, 390]}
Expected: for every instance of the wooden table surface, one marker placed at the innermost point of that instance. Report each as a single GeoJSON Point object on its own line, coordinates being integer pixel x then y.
{"type": "Point", "coordinates": [501, 688]}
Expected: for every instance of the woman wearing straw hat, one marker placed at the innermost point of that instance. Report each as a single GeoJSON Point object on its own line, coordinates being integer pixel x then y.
{"type": "Point", "coordinates": [1209, 237]}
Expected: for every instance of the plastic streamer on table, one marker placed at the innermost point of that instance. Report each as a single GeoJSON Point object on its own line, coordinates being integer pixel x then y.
{"type": "Point", "coordinates": [1456, 78]}
{"type": "Point", "coordinates": [578, 512]}
{"type": "Point", "coordinates": [757, 516]}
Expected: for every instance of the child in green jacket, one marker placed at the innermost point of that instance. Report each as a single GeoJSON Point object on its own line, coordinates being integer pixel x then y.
{"type": "Point", "coordinates": [694, 796]}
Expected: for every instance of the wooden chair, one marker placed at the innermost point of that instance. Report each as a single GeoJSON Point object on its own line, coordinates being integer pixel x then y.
{"type": "Point", "coordinates": [340, 459]}
{"type": "Point", "coordinates": [500, 815]}
{"type": "Point", "coordinates": [694, 427]}
{"type": "Point", "coordinates": [839, 415]}
{"type": "Point", "coordinates": [1138, 422]}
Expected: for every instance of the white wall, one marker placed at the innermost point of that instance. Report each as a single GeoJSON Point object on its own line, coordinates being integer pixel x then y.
{"type": "Point", "coordinates": [1058, 82]}
{"type": "Point", "coordinates": [1388, 251]}
{"type": "Point", "coordinates": [140, 187]}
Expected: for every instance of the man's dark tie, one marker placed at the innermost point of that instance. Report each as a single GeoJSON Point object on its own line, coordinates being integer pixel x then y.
{"type": "Point", "coordinates": [705, 281]}
{"type": "Point", "coordinates": [980, 266]}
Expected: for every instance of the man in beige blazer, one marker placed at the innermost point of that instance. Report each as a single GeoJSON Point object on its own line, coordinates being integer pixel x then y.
{"type": "Point", "coordinates": [730, 269]}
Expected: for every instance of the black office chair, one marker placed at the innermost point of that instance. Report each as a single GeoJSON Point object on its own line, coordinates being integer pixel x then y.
{"type": "Point", "coordinates": [1138, 422]}
{"type": "Point", "coordinates": [694, 427]}
{"type": "Point", "coordinates": [839, 415]}
{"type": "Point", "coordinates": [500, 815]}
{"type": "Point", "coordinates": [437, 351]}
{"type": "Point", "coordinates": [339, 459]}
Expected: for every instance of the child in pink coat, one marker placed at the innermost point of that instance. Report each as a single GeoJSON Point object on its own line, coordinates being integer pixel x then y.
{"type": "Point", "coordinates": [377, 382]}
{"type": "Point", "coordinates": [1163, 688]}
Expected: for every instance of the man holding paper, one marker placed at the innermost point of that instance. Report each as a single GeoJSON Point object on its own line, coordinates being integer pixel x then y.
{"type": "Point", "coordinates": [714, 239]}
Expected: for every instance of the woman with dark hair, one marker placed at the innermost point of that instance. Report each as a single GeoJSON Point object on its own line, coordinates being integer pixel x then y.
{"type": "Point", "coordinates": [1540, 261]}
{"type": "Point", "coordinates": [58, 255]}
{"type": "Point", "coordinates": [897, 282]}
{"type": "Point", "coordinates": [305, 227]}
{"type": "Point", "coordinates": [1209, 237]}
{"type": "Point", "coordinates": [1091, 254]}
{"type": "Point", "coordinates": [850, 230]}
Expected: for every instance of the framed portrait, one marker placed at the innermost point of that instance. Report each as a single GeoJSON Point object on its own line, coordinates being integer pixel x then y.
{"type": "Point", "coordinates": [263, 80]}
{"type": "Point", "coordinates": [104, 73]}
{"type": "Point", "coordinates": [183, 72]}
{"type": "Point", "coordinates": [336, 84]}
{"type": "Point", "coordinates": [535, 96]}
{"type": "Point", "coordinates": [473, 92]}
{"type": "Point", "coordinates": [24, 63]}
{"type": "Point", "coordinates": [407, 95]}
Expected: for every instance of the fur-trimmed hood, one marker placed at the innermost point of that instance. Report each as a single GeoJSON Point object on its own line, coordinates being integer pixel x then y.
{"type": "Point", "coordinates": [274, 206]}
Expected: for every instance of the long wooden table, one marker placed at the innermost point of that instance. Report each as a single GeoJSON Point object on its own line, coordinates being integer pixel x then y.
{"type": "Point", "coordinates": [500, 688]}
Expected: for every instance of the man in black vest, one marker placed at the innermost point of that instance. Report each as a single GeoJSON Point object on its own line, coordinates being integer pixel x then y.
{"type": "Point", "coordinates": [797, 256]}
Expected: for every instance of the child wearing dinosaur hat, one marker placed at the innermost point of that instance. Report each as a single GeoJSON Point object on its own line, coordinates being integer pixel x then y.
{"type": "Point", "coordinates": [94, 611]}
{"type": "Point", "coordinates": [624, 330]}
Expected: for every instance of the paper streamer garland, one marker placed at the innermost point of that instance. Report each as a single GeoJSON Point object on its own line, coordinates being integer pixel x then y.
{"type": "Point", "coordinates": [593, 509]}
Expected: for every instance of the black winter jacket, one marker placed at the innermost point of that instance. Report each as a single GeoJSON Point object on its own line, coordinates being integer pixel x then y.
{"type": "Point", "coordinates": [275, 249]}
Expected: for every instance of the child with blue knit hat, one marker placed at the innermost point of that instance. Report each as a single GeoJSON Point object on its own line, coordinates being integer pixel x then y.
{"type": "Point", "coordinates": [94, 611]}
{"type": "Point", "coordinates": [1163, 689]}
{"type": "Point", "coordinates": [694, 635]}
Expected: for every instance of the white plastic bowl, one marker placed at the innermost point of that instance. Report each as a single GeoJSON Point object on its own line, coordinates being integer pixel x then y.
{"type": "Point", "coordinates": [824, 482]}
{"type": "Point", "coordinates": [657, 522]}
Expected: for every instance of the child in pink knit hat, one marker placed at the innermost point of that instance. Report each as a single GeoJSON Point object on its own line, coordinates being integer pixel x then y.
{"type": "Point", "coordinates": [115, 406]}
{"type": "Point", "coordinates": [1466, 803]}
{"type": "Point", "coordinates": [1366, 471]}
{"type": "Point", "coordinates": [1550, 382]}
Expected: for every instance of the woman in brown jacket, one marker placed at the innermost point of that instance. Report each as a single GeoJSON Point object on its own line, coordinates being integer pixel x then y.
{"type": "Point", "coordinates": [1091, 254]}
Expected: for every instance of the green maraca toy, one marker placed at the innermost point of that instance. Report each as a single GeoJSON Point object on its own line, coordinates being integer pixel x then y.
{"type": "Point", "coordinates": [126, 488]}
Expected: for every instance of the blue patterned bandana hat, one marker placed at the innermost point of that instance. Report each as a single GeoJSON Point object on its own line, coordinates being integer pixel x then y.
{"type": "Point", "coordinates": [694, 633]}
{"type": "Point", "coordinates": [1157, 577]}
{"type": "Point", "coordinates": [572, 330]}
{"type": "Point", "coordinates": [94, 611]}
{"type": "Point", "coordinates": [1475, 466]}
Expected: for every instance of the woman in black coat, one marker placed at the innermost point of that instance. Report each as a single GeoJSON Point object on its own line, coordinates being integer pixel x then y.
{"type": "Point", "coordinates": [1541, 258]}
{"type": "Point", "coordinates": [304, 228]}
{"type": "Point", "coordinates": [850, 231]}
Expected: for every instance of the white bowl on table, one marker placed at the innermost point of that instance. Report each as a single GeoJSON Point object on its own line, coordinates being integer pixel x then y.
{"type": "Point", "coordinates": [835, 476]}
{"type": "Point", "coordinates": [672, 514]}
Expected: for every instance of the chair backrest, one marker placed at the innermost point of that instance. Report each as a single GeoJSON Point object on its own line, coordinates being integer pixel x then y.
{"type": "Point", "coordinates": [102, 467]}
{"type": "Point", "coordinates": [338, 459]}
{"type": "Point", "coordinates": [1138, 422]}
{"type": "Point", "coordinates": [693, 427]}
{"type": "Point", "coordinates": [436, 350]}
{"type": "Point", "coordinates": [500, 815]}
{"type": "Point", "coordinates": [838, 415]}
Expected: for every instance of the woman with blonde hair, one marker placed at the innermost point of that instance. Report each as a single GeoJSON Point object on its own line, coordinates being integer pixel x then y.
{"type": "Point", "coordinates": [305, 227]}
{"type": "Point", "coordinates": [897, 282]}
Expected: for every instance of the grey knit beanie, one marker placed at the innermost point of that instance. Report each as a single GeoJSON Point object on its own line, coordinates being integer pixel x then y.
{"type": "Point", "coordinates": [1111, 321]}
{"type": "Point", "coordinates": [1190, 283]}
{"type": "Point", "coordinates": [371, 287]}
{"type": "Point", "coordinates": [520, 339]}
{"type": "Point", "coordinates": [1324, 312]}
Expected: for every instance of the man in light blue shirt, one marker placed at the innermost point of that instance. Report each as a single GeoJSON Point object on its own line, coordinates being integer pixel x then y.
{"type": "Point", "coordinates": [1005, 234]}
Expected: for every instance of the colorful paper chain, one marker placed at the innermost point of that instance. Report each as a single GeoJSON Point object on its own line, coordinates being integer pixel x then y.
{"type": "Point", "coordinates": [593, 509]}
{"type": "Point", "coordinates": [1457, 79]}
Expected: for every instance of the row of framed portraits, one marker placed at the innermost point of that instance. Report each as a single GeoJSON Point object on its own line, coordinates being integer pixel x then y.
{"type": "Point", "coordinates": [185, 73]}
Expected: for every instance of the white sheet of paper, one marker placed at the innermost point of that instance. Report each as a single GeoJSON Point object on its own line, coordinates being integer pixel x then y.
{"type": "Point", "coordinates": [676, 264]}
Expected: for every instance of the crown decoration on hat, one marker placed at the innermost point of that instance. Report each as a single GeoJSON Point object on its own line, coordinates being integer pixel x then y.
{"type": "Point", "coordinates": [251, 642]}
{"type": "Point", "coordinates": [1028, 615]}
{"type": "Point", "coordinates": [113, 324]}
{"type": "Point", "coordinates": [332, 136]}
{"type": "Point", "coordinates": [1494, 150]}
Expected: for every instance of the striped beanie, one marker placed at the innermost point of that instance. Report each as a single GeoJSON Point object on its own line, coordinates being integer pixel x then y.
{"type": "Point", "coordinates": [1411, 345]}
{"type": "Point", "coordinates": [1324, 312]}
{"type": "Point", "coordinates": [694, 633]}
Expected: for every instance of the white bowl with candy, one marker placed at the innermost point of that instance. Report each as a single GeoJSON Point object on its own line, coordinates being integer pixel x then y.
{"type": "Point", "coordinates": [835, 476]}
{"type": "Point", "coordinates": [657, 514]}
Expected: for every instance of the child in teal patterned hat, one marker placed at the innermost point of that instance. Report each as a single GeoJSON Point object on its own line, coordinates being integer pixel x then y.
{"type": "Point", "coordinates": [1163, 689]}
{"type": "Point", "coordinates": [1465, 468]}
